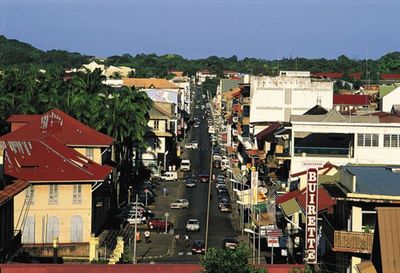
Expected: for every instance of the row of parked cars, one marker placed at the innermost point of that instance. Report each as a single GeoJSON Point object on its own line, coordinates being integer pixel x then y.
{"type": "Point", "coordinates": [224, 199]}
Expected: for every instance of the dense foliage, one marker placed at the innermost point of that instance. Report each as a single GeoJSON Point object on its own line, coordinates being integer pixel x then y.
{"type": "Point", "coordinates": [227, 260]}
{"type": "Point", "coordinates": [120, 113]}
{"type": "Point", "coordinates": [13, 52]}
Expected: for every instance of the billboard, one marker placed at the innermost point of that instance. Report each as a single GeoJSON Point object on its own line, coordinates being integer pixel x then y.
{"type": "Point", "coordinates": [312, 216]}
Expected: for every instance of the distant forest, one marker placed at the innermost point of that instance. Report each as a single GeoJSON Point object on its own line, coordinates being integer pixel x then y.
{"type": "Point", "coordinates": [16, 53]}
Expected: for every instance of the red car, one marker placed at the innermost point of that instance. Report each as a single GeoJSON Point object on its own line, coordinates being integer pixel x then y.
{"type": "Point", "coordinates": [159, 224]}
{"type": "Point", "coordinates": [203, 178]}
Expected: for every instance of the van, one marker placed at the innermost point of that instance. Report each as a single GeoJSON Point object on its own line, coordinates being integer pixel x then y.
{"type": "Point", "coordinates": [169, 176]}
{"type": "Point", "coordinates": [224, 164]}
{"type": "Point", "coordinates": [185, 165]}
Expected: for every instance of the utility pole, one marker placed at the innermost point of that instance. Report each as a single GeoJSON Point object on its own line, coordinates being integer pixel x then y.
{"type": "Point", "coordinates": [134, 242]}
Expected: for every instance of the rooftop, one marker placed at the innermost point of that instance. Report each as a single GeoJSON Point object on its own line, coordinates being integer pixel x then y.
{"type": "Point", "coordinates": [149, 83]}
{"type": "Point", "coordinates": [333, 116]}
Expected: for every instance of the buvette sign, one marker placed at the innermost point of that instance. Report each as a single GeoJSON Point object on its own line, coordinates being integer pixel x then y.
{"type": "Point", "coordinates": [312, 215]}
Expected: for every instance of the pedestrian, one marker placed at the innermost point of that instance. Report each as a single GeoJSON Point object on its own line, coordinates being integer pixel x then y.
{"type": "Point", "coordinates": [147, 236]}
{"type": "Point", "coordinates": [177, 242]}
{"type": "Point", "coordinates": [187, 241]}
{"type": "Point", "coordinates": [165, 191]}
{"type": "Point", "coordinates": [137, 237]}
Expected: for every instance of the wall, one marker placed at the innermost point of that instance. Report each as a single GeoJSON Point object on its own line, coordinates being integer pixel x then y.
{"type": "Point", "coordinates": [96, 153]}
{"type": "Point", "coordinates": [276, 98]}
{"type": "Point", "coordinates": [392, 98]}
{"type": "Point", "coordinates": [64, 210]}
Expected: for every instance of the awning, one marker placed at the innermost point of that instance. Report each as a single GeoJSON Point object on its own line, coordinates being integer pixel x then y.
{"type": "Point", "coordinates": [245, 197]}
{"type": "Point", "coordinates": [268, 131]}
{"type": "Point", "coordinates": [289, 207]}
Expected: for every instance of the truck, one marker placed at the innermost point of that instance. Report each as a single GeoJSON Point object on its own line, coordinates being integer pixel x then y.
{"type": "Point", "coordinates": [185, 165]}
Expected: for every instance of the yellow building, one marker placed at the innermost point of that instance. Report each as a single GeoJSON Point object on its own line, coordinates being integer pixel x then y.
{"type": "Point", "coordinates": [70, 185]}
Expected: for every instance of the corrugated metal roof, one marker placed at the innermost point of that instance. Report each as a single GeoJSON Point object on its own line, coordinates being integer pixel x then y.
{"type": "Point", "coordinates": [289, 207]}
{"type": "Point", "coordinates": [65, 128]}
{"type": "Point", "coordinates": [22, 118]}
{"type": "Point", "coordinates": [389, 238]}
{"type": "Point", "coordinates": [379, 180]}
{"type": "Point", "coordinates": [49, 160]}
{"type": "Point", "coordinates": [11, 190]}
{"type": "Point", "coordinates": [335, 117]}
{"type": "Point", "coordinates": [350, 99]}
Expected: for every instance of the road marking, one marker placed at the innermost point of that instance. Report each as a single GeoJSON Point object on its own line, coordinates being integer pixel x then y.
{"type": "Point", "coordinates": [189, 253]}
{"type": "Point", "coordinates": [180, 253]}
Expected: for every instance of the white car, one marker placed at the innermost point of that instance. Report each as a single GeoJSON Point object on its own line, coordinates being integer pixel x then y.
{"type": "Point", "coordinates": [136, 218]}
{"type": "Point", "coordinates": [193, 225]}
{"type": "Point", "coordinates": [189, 146]}
{"type": "Point", "coordinates": [180, 204]}
{"type": "Point", "coordinates": [195, 144]}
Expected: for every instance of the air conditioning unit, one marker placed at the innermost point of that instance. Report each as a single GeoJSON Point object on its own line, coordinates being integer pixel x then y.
{"type": "Point", "coordinates": [235, 119]}
{"type": "Point", "coordinates": [234, 132]}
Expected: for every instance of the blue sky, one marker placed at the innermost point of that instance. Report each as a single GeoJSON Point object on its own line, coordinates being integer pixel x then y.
{"type": "Point", "coordinates": [196, 29]}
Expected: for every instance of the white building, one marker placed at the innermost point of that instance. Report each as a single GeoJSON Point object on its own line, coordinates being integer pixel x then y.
{"type": "Point", "coordinates": [277, 98]}
{"type": "Point", "coordinates": [202, 75]}
{"type": "Point", "coordinates": [317, 139]}
{"type": "Point", "coordinates": [390, 99]}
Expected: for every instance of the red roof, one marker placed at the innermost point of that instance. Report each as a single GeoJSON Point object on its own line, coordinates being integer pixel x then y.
{"type": "Point", "coordinates": [385, 117]}
{"type": "Point", "coordinates": [336, 75]}
{"type": "Point", "coordinates": [65, 128]}
{"type": "Point", "coordinates": [269, 130]}
{"type": "Point", "coordinates": [385, 76]}
{"type": "Point", "coordinates": [287, 196]}
{"type": "Point", "coordinates": [350, 100]}
{"type": "Point", "coordinates": [125, 268]}
{"type": "Point", "coordinates": [11, 190]}
{"type": "Point", "coordinates": [49, 160]}
{"type": "Point", "coordinates": [22, 118]}
{"type": "Point", "coordinates": [325, 201]}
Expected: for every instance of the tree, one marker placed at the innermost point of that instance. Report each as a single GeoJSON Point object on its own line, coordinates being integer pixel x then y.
{"type": "Point", "coordinates": [228, 260]}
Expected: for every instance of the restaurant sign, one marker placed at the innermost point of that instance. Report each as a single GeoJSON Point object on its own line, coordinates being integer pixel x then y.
{"type": "Point", "coordinates": [312, 216]}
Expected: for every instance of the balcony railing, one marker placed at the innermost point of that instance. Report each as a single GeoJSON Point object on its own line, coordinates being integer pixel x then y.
{"type": "Point", "coordinates": [347, 241]}
{"type": "Point", "coordinates": [325, 151]}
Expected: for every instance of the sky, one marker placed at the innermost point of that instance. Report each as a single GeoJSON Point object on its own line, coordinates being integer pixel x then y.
{"type": "Point", "coordinates": [268, 29]}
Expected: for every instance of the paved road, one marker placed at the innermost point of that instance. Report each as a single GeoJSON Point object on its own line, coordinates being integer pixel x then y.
{"type": "Point", "coordinates": [220, 224]}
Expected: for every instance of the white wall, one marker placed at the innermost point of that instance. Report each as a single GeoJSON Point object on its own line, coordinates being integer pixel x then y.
{"type": "Point", "coordinates": [390, 99]}
{"type": "Point", "coordinates": [362, 155]}
{"type": "Point", "coordinates": [276, 98]}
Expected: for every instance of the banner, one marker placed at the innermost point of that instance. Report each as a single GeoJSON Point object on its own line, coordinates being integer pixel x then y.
{"type": "Point", "coordinates": [312, 216]}
{"type": "Point", "coordinates": [254, 185]}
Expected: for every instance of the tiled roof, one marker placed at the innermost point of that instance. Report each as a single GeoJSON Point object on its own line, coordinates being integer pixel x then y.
{"type": "Point", "coordinates": [65, 128]}
{"type": "Point", "coordinates": [11, 190]}
{"type": "Point", "coordinates": [49, 160]}
{"type": "Point", "coordinates": [385, 76]}
{"type": "Point", "coordinates": [155, 83]}
{"type": "Point", "coordinates": [350, 99]}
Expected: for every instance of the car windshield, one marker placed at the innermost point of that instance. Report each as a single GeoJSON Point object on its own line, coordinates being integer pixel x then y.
{"type": "Point", "coordinates": [192, 222]}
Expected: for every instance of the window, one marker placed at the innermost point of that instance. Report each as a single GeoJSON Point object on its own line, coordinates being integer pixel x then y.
{"type": "Point", "coordinates": [76, 229]}
{"type": "Point", "coordinates": [368, 140]}
{"type": "Point", "coordinates": [28, 231]}
{"type": "Point", "coordinates": [368, 220]}
{"type": "Point", "coordinates": [53, 195]}
{"type": "Point", "coordinates": [77, 194]}
{"type": "Point", "coordinates": [156, 144]}
{"type": "Point", "coordinates": [30, 195]}
{"type": "Point", "coordinates": [90, 153]}
{"type": "Point", "coordinates": [391, 141]}
{"type": "Point", "coordinates": [53, 228]}
{"type": "Point", "coordinates": [156, 125]}
{"type": "Point", "coordinates": [172, 126]}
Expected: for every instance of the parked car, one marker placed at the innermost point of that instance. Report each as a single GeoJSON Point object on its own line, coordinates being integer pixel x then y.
{"type": "Point", "coordinates": [219, 183]}
{"type": "Point", "coordinates": [195, 144]}
{"type": "Point", "coordinates": [225, 207]}
{"type": "Point", "coordinates": [180, 204]}
{"type": "Point", "coordinates": [198, 247]}
{"type": "Point", "coordinates": [188, 146]}
{"type": "Point", "coordinates": [216, 156]}
{"type": "Point", "coordinates": [203, 178]}
{"type": "Point", "coordinates": [193, 225]}
{"type": "Point", "coordinates": [159, 224]}
{"type": "Point", "coordinates": [231, 242]}
{"type": "Point", "coordinates": [221, 188]}
{"type": "Point", "coordinates": [217, 164]}
{"type": "Point", "coordinates": [136, 218]}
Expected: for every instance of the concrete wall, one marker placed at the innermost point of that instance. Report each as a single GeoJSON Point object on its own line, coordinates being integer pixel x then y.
{"type": "Point", "coordinates": [276, 98]}
{"type": "Point", "coordinates": [96, 153]}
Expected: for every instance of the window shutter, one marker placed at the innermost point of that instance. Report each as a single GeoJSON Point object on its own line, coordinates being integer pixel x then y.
{"type": "Point", "coordinates": [28, 233]}
{"type": "Point", "coordinates": [76, 229]}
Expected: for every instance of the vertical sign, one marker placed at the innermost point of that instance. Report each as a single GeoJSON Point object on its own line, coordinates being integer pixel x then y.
{"type": "Point", "coordinates": [254, 185]}
{"type": "Point", "coordinates": [312, 216]}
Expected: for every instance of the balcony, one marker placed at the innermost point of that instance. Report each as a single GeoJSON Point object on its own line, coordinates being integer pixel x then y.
{"type": "Point", "coordinates": [322, 151]}
{"type": "Point", "coordinates": [347, 241]}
